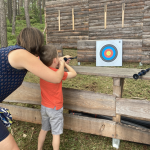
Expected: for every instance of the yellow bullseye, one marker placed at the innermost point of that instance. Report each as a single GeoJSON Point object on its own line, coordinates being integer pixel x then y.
{"type": "Point", "coordinates": [108, 53]}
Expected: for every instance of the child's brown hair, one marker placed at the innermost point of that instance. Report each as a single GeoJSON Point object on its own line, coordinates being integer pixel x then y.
{"type": "Point", "coordinates": [47, 54]}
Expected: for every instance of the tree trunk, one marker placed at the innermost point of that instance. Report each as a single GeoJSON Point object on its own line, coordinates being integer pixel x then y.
{"type": "Point", "coordinates": [3, 26]}
{"type": "Point", "coordinates": [43, 4]}
{"type": "Point", "coordinates": [27, 13]}
{"type": "Point", "coordinates": [40, 12]}
{"type": "Point", "coordinates": [20, 3]}
{"type": "Point", "coordinates": [18, 7]}
{"type": "Point", "coordinates": [29, 5]}
{"type": "Point", "coordinates": [14, 17]}
{"type": "Point", "coordinates": [9, 5]}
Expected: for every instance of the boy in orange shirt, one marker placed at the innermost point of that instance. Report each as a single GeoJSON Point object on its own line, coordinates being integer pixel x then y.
{"type": "Point", "coordinates": [52, 98]}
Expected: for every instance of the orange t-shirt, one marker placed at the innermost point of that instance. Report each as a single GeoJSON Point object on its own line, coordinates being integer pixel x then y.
{"type": "Point", "coordinates": [51, 93]}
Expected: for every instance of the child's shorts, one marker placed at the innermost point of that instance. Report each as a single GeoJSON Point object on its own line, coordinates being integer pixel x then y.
{"type": "Point", "coordinates": [3, 131]}
{"type": "Point", "coordinates": [52, 119]}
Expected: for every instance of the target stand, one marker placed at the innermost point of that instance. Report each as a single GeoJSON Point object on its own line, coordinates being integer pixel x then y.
{"type": "Point", "coordinates": [109, 53]}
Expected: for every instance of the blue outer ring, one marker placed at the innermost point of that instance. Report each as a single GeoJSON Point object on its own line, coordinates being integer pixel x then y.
{"type": "Point", "coordinates": [113, 57]}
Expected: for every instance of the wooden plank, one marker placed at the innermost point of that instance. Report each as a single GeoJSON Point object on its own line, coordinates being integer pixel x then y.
{"type": "Point", "coordinates": [117, 91]}
{"type": "Point", "coordinates": [89, 102]}
{"type": "Point", "coordinates": [123, 10]}
{"type": "Point", "coordinates": [23, 113]}
{"type": "Point", "coordinates": [76, 123]}
{"type": "Point", "coordinates": [59, 19]}
{"type": "Point", "coordinates": [91, 44]}
{"type": "Point", "coordinates": [146, 42]}
{"type": "Point", "coordinates": [118, 86]}
{"type": "Point", "coordinates": [27, 93]}
{"type": "Point", "coordinates": [72, 19]}
{"type": "Point", "coordinates": [110, 72]}
{"type": "Point", "coordinates": [105, 16]}
{"type": "Point", "coordinates": [79, 100]}
{"type": "Point", "coordinates": [133, 108]}
{"type": "Point", "coordinates": [133, 134]}
{"type": "Point", "coordinates": [89, 125]}
{"type": "Point", "coordinates": [145, 60]}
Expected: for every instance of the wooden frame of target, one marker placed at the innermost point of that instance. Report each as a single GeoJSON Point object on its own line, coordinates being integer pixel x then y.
{"type": "Point", "coordinates": [109, 53]}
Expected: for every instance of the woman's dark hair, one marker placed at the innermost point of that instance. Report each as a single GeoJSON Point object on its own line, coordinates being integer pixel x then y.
{"type": "Point", "coordinates": [31, 39]}
{"type": "Point", "coordinates": [47, 53]}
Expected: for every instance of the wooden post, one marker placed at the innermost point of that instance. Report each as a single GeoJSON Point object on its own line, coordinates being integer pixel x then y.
{"type": "Point", "coordinates": [117, 91]}
{"type": "Point", "coordinates": [123, 9]}
{"type": "Point", "coordinates": [72, 18]}
{"type": "Point", "coordinates": [59, 19]}
{"type": "Point", "coordinates": [105, 16]}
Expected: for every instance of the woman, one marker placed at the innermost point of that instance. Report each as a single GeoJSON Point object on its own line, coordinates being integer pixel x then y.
{"type": "Point", "coordinates": [15, 62]}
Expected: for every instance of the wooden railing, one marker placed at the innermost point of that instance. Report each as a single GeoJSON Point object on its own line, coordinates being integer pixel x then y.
{"type": "Point", "coordinates": [92, 103]}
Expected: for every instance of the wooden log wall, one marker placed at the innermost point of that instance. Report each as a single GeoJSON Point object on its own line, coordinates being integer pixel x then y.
{"type": "Point", "coordinates": [101, 20]}
{"type": "Point", "coordinates": [73, 22]}
{"type": "Point", "coordinates": [146, 34]}
{"type": "Point", "coordinates": [132, 50]}
{"type": "Point", "coordinates": [133, 17]}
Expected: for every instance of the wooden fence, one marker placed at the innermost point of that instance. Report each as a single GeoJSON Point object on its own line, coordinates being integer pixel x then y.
{"type": "Point", "coordinates": [93, 103]}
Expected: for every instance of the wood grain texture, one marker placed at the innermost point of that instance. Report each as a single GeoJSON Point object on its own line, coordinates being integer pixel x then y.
{"type": "Point", "coordinates": [89, 102]}
{"type": "Point", "coordinates": [89, 125]}
{"type": "Point", "coordinates": [76, 123]}
{"type": "Point", "coordinates": [133, 134]}
{"type": "Point", "coordinates": [79, 100]}
{"type": "Point", "coordinates": [133, 108]}
{"type": "Point", "coordinates": [110, 72]}
{"type": "Point", "coordinates": [23, 113]}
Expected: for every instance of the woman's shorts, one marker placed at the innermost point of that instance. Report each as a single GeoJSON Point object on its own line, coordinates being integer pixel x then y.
{"type": "Point", "coordinates": [3, 131]}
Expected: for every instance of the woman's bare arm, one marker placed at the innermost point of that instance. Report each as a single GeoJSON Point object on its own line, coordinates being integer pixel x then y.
{"type": "Point", "coordinates": [22, 59]}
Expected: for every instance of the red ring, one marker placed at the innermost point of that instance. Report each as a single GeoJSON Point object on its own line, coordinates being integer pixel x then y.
{"type": "Point", "coordinates": [105, 53]}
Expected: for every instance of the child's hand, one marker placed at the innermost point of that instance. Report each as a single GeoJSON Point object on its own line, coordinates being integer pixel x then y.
{"type": "Point", "coordinates": [61, 62]}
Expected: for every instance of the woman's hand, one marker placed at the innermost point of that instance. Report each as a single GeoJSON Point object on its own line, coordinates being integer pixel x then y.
{"type": "Point", "coordinates": [61, 61]}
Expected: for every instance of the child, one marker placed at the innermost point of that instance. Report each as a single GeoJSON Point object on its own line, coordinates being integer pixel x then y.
{"type": "Point", "coordinates": [52, 98]}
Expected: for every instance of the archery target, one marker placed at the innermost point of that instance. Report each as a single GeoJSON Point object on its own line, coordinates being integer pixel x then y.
{"type": "Point", "coordinates": [109, 53]}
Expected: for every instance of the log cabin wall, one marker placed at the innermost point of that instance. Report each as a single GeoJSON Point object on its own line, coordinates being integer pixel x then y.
{"type": "Point", "coordinates": [146, 34]}
{"type": "Point", "coordinates": [101, 20]}
{"type": "Point", "coordinates": [68, 35]}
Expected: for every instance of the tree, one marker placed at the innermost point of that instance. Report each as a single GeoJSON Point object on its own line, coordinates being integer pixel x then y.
{"type": "Point", "coordinates": [14, 17]}
{"type": "Point", "coordinates": [40, 12]}
{"type": "Point", "coordinates": [9, 6]}
{"type": "Point", "coordinates": [20, 3]}
{"type": "Point", "coordinates": [27, 12]}
{"type": "Point", "coordinates": [3, 25]}
{"type": "Point", "coordinates": [43, 4]}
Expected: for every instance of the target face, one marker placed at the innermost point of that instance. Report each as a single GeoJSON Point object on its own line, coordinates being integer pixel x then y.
{"type": "Point", "coordinates": [109, 53]}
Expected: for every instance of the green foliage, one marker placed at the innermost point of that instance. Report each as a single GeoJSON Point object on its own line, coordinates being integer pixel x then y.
{"type": "Point", "coordinates": [22, 14]}
{"type": "Point", "coordinates": [34, 13]}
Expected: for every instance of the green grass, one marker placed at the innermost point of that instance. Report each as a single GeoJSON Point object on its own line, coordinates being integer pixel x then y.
{"type": "Point", "coordinates": [71, 140]}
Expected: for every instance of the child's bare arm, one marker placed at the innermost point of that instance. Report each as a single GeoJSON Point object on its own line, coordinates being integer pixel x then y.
{"type": "Point", "coordinates": [71, 72]}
